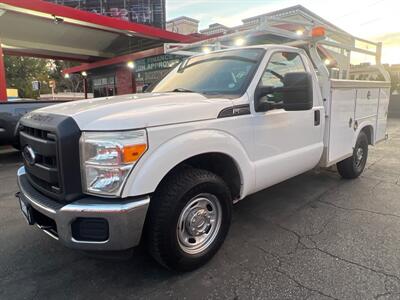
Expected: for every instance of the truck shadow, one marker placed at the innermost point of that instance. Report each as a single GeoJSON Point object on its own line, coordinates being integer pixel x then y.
{"type": "Point", "coordinates": [10, 156]}
{"type": "Point", "coordinates": [144, 276]}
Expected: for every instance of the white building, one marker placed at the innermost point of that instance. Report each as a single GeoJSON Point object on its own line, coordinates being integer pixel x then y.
{"type": "Point", "coordinates": [183, 25]}
{"type": "Point", "coordinates": [215, 28]}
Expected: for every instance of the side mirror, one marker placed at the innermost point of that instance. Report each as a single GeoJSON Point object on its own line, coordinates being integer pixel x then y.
{"type": "Point", "coordinates": [297, 92]}
{"type": "Point", "coordinates": [262, 102]}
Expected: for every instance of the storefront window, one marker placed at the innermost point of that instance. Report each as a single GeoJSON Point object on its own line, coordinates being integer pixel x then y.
{"type": "Point", "coordinates": [104, 86]}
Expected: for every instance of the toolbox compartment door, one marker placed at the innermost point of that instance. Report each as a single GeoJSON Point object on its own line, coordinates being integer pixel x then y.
{"type": "Point", "coordinates": [341, 120]}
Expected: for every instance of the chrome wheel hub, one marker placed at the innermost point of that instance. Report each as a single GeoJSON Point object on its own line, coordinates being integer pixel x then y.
{"type": "Point", "coordinates": [199, 223]}
{"type": "Point", "coordinates": [359, 156]}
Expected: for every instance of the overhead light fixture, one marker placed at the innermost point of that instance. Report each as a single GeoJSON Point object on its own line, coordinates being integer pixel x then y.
{"type": "Point", "coordinates": [84, 73]}
{"type": "Point", "coordinates": [2, 12]}
{"type": "Point", "coordinates": [206, 50]}
{"type": "Point", "coordinates": [240, 42]}
{"type": "Point", "coordinates": [130, 65]}
{"type": "Point", "coordinates": [66, 76]}
{"type": "Point", "coordinates": [327, 62]}
{"type": "Point", "coordinates": [57, 20]}
{"type": "Point", "coordinates": [299, 32]}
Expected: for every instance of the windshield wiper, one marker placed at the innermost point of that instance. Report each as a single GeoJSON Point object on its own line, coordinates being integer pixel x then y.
{"type": "Point", "coordinates": [181, 90]}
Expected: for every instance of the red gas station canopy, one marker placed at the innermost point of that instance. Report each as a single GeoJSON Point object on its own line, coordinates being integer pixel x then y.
{"type": "Point", "coordinates": [43, 29]}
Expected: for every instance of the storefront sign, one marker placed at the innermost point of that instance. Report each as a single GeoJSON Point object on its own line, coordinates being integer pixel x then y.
{"type": "Point", "coordinates": [159, 62]}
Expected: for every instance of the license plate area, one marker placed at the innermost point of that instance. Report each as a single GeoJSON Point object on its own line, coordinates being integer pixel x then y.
{"type": "Point", "coordinates": [26, 211]}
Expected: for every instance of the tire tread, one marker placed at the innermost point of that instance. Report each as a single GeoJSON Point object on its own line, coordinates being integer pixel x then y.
{"type": "Point", "coordinates": [165, 200]}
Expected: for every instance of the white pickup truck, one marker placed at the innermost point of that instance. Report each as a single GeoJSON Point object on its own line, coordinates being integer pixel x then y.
{"type": "Point", "coordinates": [166, 167]}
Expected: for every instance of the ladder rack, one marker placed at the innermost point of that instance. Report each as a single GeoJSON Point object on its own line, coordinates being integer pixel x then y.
{"type": "Point", "coordinates": [271, 30]}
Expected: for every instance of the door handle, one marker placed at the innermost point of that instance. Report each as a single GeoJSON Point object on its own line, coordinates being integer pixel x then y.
{"type": "Point", "coordinates": [317, 117]}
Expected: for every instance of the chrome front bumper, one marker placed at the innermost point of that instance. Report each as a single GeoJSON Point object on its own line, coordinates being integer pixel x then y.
{"type": "Point", "coordinates": [125, 217]}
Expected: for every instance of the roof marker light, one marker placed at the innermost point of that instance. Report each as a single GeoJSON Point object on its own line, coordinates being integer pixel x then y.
{"type": "Point", "coordinates": [318, 31]}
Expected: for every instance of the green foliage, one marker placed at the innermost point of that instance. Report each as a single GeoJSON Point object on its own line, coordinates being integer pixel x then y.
{"type": "Point", "coordinates": [72, 84]}
{"type": "Point", "coordinates": [21, 71]}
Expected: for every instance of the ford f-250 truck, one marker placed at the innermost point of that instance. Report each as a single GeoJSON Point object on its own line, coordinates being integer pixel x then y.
{"type": "Point", "coordinates": [166, 167]}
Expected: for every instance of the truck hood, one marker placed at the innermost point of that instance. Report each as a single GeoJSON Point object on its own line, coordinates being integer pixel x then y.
{"type": "Point", "coordinates": [139, 110]}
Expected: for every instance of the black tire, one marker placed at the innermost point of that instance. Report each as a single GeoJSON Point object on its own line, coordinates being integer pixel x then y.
{"type": "Point", "coordinates": [353, 166]}
{"type": "Point", "coordinates": [166, 206]}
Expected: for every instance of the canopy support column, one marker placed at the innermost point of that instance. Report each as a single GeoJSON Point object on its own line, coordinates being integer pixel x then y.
{"type": "Point", "coordinates": [3, 84]}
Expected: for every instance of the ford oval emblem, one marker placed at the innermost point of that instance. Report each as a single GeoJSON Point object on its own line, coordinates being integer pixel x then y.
{"type": "Point", "coordinates": [29, 155]}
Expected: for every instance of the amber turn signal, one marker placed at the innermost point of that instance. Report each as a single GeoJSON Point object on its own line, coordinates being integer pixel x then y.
{"type": "Point", "coordinates": [132, 153]}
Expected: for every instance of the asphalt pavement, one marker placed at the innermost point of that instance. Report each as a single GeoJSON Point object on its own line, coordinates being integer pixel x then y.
{"type": "Point", "coordinates": [315, 236]}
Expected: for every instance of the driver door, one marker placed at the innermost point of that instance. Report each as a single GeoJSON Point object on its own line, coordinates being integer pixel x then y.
{"type": "Point", "coordinates": [287, 143]}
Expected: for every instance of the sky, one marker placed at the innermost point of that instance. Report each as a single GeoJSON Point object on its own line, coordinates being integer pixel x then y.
{"type": "Point", "coordinates": [376, 20]}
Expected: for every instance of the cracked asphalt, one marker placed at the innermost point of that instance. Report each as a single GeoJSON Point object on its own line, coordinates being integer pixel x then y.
{"type": "Point", "coordinates": [315, 236]}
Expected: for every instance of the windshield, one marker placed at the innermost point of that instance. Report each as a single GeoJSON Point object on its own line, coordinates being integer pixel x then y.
{"type": "Point", "coordinates": [226, 73]}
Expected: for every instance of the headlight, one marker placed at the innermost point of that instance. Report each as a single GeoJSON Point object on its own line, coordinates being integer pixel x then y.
{"type": "Point", "coordinates": [108, 157]}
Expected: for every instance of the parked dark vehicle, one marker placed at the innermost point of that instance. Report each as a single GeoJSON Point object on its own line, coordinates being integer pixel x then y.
{"type": "Point", "coordinates": [11, 112]}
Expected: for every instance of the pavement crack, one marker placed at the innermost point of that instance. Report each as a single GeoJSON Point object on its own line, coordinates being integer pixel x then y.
{"type": "Point", "coordinates": [316, 199]}
{"type": "Point", "coordinates": [301, 285]}
{"type": "Point", "coordinates": [359, 209]}
{"type": "Point", "coordinates": [291, 278]}
{"type": "Point", "coordinates": [336, 257]}
{"type": "Point", "coordinates": [383, 295]}
{"type": "Point", "coordinates": [387, 275]}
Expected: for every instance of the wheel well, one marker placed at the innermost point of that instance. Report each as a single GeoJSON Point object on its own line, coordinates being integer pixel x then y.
{"type": "Point", "coordinates": [218, 163]}
{"type": "Point", "coordinates": [368, 130]}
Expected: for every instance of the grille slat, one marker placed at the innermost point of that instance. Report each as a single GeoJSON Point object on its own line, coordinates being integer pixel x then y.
{"type": "Point", "coordinates": [49, 175]}
{"type": "Point", "coordinates": [41, 146]}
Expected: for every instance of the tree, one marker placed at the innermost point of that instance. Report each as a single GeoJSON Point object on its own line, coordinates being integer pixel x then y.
{"type": "Point", "coordinates": [71, 84]}
{"type": "Point", "coordinates": [21, 71]}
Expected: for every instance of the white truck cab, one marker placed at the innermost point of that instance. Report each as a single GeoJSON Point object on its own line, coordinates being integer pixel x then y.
{"type": "Point", "coordinates": [167, 166]}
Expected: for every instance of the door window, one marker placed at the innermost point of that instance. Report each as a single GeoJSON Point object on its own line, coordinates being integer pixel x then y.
{"type": "Point", "coordinates": [278, 66]}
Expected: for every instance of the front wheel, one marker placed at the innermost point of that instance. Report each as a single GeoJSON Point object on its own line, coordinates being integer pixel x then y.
{"type": "Point", "coordinates": [353, 166]}
{"type": "Point", "coordinates": [189, 218]}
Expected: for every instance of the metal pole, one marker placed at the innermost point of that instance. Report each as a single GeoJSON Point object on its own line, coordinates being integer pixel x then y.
{"type": "Point", "coordinates": [85, 87]}
{"type": "Point", "coordinates": [3, 84]}
{"type": "Point", "coordinates": [133, 82]}
{"type": "Point", "coordinates": [379, 53]}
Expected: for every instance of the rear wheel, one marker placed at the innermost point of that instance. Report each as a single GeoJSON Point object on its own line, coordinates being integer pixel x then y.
{"type": "Point", "coordinates": [353, 166]}
{"type": "Point", "coordinates": [189, 218]}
